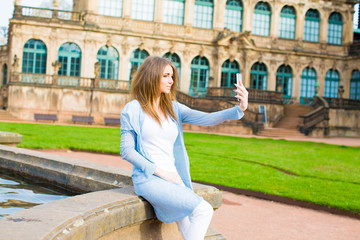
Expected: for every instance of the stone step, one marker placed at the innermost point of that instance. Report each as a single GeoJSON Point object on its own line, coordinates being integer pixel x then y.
{"type": "Point", "coordinates": [280, 132]}
{"type": "Point", "coordinates": [6, 116]}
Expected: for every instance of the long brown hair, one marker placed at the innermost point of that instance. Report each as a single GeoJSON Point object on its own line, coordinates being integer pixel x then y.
{"type": "Point", "coordinates": [145, 87]}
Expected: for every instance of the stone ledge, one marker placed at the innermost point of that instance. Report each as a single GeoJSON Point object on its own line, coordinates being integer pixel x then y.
{"type": "Point", "coordinates": [10, 139]}
{"type": "Point", "coordinates": [107, 213]}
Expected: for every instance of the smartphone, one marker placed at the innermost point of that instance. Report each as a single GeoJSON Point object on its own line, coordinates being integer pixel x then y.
{"type": "Point", "coordinates": [238, 78]}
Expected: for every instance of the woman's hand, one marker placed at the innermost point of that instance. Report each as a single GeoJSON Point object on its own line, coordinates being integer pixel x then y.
{"type": "Point", "coordinates": [242, 96]}
{"type": "Point", "coordinates": [168, 176]}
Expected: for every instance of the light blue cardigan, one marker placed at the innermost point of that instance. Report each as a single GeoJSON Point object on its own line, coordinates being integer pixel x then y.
{"type": "Point", "coordinates": [163, 195]}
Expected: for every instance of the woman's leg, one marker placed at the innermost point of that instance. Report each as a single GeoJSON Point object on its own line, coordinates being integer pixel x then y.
{"type": "Point", "coordinates": [194, 227]}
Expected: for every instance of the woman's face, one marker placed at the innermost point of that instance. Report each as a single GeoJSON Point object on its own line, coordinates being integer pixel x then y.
{"type": "Point", "coordinates": [166, 80]}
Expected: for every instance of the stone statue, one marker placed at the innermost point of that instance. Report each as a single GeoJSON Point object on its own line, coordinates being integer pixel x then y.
{"type": "Point", "coordinates": [97, 69]}
{"type": "Point", "coordinates": [57, 66]}
{"type": "Point", "coordinates": [15, 64]}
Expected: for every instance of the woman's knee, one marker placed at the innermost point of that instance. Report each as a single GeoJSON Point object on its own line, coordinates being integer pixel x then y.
{"type": "Point", "coordinates": [204, 208]}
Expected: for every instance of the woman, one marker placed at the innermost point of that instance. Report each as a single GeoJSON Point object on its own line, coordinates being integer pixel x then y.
{"type": "Point", "coordinates": [152, 140]}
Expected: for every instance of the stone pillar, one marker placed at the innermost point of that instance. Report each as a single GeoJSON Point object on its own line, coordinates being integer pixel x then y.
{"type": "Point", "coordinates": [92, 6]}
{"type": "Point", "coordinates": [271, 78]}
{"type": "Point", "coordinates": [323, 27]}
{"type": "Point", "coordinates": [55, 4]}
{"type": "Point", "coordinates": [297, 82]}
{"type": "Point", "coordinates": [219, 15]}
{"type": "Point", "coordinates": [300, 22]}
{"type": "Point", "coordinates": [321, 79]}
{"type": "Point", "coordinates": [127, 9]}
{"type": "Point", "coordinates": [158, 11]}
{"type": "Point", "coordinates": [345, 79]}
{"type": "Point", "coordinates": [348, 34]}
{"type": "Point", "coordinates": [247, 15]}
{"type": "Point", "coordinates": [189, 13]}
{"type": "Point", "coordinates": [275, 18]}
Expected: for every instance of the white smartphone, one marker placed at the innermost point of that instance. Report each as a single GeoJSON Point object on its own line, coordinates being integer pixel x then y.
{"type": "Point", "coordinates": [238, 78]}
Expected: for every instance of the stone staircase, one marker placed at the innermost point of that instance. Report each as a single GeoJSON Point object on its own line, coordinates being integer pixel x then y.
{"type": "Point", "coordinates": [286, 127]}
{"type": "Point", "coordinates": [5, 116]}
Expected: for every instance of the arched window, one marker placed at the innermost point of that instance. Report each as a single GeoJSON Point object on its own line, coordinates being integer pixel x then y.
{"type": "Point", "coordinates": [5, 74]}
{"type": "Point", "coordinates": [199, 76]}
{"type": "Point", "coordinates": [258, 76]}
{"type": "Point", "coordinates": [174, 58]}
{"type": "Point", "coordinates": [355, 85]}
{"type": "Point", "coordinates": [143, 10]}
{"type": "Point", "coordinates": [308, 83]}
{"type": "Point", "coordinates": [332, 80]}
{"type": "Point", "coordinates": [203, 14]}
{"type": "Point", "coordinates": [109, 62]}
{"type": "Point", "coordinates": [233, 15]}
{"type": "Point", "coordinates": [228, 73]}
{"type": "Point", "coordinates": [173, 11]}
{"type": "Point", "coordinates": [70, 59]}
{"type": "Point", "coordinates": [34, 57]}
{"type": "Point", "coordinates": [287, 22]}
{"type": "Point", "coordinates": [312, 26]}
{"type": "Point", "coordinates": [335, 29]}
{"type": "Point", "coordinates": [261, 19]}
{"type": "Point", "coordinates": [137, 58]}
{"type": "Point", "coordinates": [356, 16]}
{"type": "Point", "coordinates": [111, 7]}
{"type": "Point", "coordinates": [284, 78]}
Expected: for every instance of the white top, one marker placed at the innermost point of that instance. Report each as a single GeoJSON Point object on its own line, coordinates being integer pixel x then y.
{"type": "Point", "coordinates": [159, 142]}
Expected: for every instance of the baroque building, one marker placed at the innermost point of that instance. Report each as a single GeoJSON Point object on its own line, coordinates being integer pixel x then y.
{"type": "Point", "coordinates": [298, 48]}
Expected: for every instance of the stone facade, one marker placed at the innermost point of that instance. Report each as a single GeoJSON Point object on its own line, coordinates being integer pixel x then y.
{"type": "Point", "coordinates": [92, 31]}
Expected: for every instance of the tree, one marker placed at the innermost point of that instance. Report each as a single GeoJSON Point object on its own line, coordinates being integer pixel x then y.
{"type": "Point", "coordinates": [3, 35]}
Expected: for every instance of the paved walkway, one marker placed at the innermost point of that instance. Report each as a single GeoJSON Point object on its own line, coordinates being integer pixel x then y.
{"type": "Point", "coordinates": [247, 218]}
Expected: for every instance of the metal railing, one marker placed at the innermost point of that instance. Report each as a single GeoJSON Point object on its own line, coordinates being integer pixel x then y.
{"type": "Point", "coordinates": [255, 95]}
{"type": "Point", "coordinates": [69, 81]}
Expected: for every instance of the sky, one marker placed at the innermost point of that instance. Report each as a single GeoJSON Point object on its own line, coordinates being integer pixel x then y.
{"type": "Point", "coordinates": [7, 8]}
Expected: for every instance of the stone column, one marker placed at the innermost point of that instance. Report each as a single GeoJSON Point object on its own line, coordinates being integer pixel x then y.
{"type": "Point", "coordinates": [92, 6]}
{"type": "Point", "coordinates": [321, 79]}
{"type": "Point", "coordinates": [345, 79]}
{"type": "Point", "coordinates": [275, 18]}
{"type": "Point", "coordinates": [300, 22]}
{"type": "Point", "coordinates": [323, 27]}
{"type": "Point", "coordinates": [247, 15]}
{"type": "Point", "coordinates": [219, 15]}
{"type": "Point", "coordinates": [348, 35]}
{"type": "Point", "coordinates": [158, 11]}
{"type": "Point", "coordinates": [297, 82]}
{"type": "Point", "coordinates": [127, 9]}
{"type": "Point", "coordinates": [189, 12]}
{"type": "Point", "coordinates": [271, 78]}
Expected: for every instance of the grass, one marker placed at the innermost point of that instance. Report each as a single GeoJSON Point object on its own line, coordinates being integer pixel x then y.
{"type": "Point", "coordinates": [324, 174]}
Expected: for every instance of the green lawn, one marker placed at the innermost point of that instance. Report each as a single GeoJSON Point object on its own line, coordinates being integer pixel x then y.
{"type": "Point", "coordinates": [327, 175]}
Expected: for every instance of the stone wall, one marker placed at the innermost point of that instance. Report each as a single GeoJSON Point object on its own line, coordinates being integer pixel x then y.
{"type": "Point", "coordinates": [344, 123]}
{"type": "Point", "coordinates": [25, 100]}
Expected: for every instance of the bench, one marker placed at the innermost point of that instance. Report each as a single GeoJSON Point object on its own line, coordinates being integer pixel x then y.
{"type": "Point", "coordinates": [84, 119]}
{"type": "Point", "coordinates": [112, 121]}
{"type": "Point", "coordinates": [48, 117]}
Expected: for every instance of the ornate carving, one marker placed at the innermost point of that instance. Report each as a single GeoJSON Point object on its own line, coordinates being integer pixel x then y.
{"type": "Point", "coordinates": [15, 63]}
{"type": "Point", "coordinates": [142, 44]}
{"type": "Point", "coordinates": [156, 48]}
{"type": "Point", "coordinates": [125, 45]}
{"type": "Point", "coordinates": [202, 51]}
{"type": "Point", "coordinates": [109, 41]}
{"type": "Point", "coordinates": [57, 66]}
{"type": "Point", "coordinates": [286, 60]}
{"type": "Point", "coordinates": [172, 47]}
